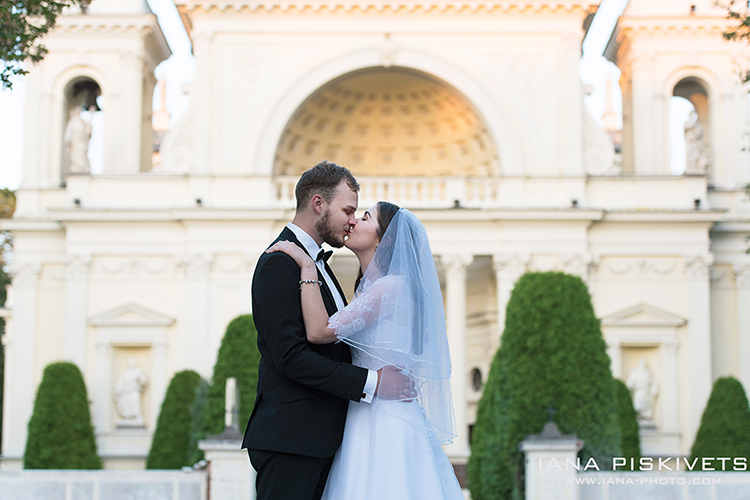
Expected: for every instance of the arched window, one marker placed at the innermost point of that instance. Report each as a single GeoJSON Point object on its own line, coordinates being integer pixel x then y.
{"type": "Point", "coordinates": [689, 118]}
{"type": "Point", "coordinates": [83, 127]}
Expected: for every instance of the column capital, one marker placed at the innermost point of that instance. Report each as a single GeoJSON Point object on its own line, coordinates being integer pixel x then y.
{"type": "Point", "coordinates": [196, 265]}
{"type": "Point", "coordinates": [510, 266]}
{"type": "Point", "coordinates": [742, 275]}
{"type": "Point", "coordinates": [102, 347]}
{"type": "Point", "coordinates": [77, 265]}
{"type": "Point", "coordinates": [159, 347]}
{"type": "Point", "coordinates": [25, 273]}
{"type": "Point", "coordinates": [671, 347]}
{"type": "Point", "coordinates": [456, 261]}
{"type": "Point", "coordinates": [578, 264]}
{"type": "Point", "coordinates": [697, 266]}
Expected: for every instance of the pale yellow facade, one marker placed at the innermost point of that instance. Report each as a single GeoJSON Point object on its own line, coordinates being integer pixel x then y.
{"type": "Point", "coordinates": [469, 113]}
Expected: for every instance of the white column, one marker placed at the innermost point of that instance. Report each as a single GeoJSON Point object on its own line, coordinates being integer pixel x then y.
{"type": "Point", "coordinates": [103, 401]}
{"type": "Point", "coordinates": [20, 369]}
{"type": "Point", "coordinates": [742, 273]}
{"type": "Point", "coordinates": [76, 307]}
{"type": "Point", "coordinates": [455, 291]}
{"type": "Point", "coordinates": [158, 381]}
{"type": "Point", "coordinates": [614, 350]}
{"type": "Point", "coordinates": [508, 268]}
{"type": "Point", "coordinates": [699, 339]}
{"type": "Point", "coordinates": [197, 274]}
{"type": "Point", "coordinates": [203, 94]}
{"type": "Point", "coordinates": [669, 394]}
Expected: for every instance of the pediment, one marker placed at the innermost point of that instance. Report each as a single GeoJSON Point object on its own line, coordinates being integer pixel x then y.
{"type": "Point", "coordinates": [130, 315]}
{"type": "Point", "coordinates": [643, 315]}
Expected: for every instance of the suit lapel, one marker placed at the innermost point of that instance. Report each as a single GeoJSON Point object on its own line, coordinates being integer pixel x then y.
{"type": "Point", "coordinates": [328, 299]}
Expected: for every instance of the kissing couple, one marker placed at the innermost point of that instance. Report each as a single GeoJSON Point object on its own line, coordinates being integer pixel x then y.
{"type": "Point", "coordinates": [354, 400]}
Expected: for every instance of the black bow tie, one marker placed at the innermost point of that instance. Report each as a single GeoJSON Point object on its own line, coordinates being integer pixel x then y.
{"type": "Point", "coordinates": [324, 256]}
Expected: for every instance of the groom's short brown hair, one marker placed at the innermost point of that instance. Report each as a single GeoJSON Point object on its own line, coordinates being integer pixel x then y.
{"type": "Point", "coordinates": [322, 179]}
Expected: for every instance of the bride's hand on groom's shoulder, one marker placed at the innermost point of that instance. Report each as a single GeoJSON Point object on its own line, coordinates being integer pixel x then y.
{"type": "Point", "coordinates": [292, 250]}
{"type": "Point", "coordinates": [393, 383]}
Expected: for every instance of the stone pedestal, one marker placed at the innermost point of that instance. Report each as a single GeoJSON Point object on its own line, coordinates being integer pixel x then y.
{"type": "Point", "coordinates": [231, 477]}
{"type": "Point", "coordinates": [551, 461]}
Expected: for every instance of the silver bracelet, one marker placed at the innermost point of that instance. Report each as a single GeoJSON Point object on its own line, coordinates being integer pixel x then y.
{"type": "Point", "coordinates": [309, 282]}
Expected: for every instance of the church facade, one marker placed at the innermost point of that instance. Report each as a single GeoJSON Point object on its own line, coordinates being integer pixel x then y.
{"type": "Point", "coordinates": [468, 112]}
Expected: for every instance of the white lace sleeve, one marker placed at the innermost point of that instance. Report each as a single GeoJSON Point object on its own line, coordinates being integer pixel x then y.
{"type": "Point", "coordinates": [364, 308]}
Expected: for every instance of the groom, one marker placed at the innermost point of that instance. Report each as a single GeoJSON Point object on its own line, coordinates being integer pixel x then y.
{"type": "Point", "coordinates": [304, 389]}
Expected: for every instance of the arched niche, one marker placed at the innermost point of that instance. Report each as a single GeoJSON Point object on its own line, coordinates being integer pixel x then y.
{"type": "Point", "coordinates": [388, 122]}
{"type": "Point", "coordinates": [82, 127]}
{"type": "Point", "coordinates": [697, 125]}
{"type": "Point", "coordinates": [698, 89]}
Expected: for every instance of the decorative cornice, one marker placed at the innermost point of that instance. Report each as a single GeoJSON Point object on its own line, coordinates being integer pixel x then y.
{"type": "Point", "coordinates": [642, 266]}
{"type": "Point", "coordinates": [144, 25]}
{"type": "Point", "coordinates": [134, 266]}
{"type": "Point", "coordinates": [420, 6]}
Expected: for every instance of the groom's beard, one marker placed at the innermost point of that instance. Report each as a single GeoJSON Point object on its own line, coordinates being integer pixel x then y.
{"type": "Point", "coordinates": [324, 229]}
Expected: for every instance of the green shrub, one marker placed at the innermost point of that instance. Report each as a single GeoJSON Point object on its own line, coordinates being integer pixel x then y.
{"type": "Point", "coordinates": [725, 426]}
{"type": "Point", "coordinates": [552, 353]}
{"type": "Point", "coordinates": [60, 432]}
{"type": "Point", "coordinates": [628, 419]}
{"type": "Point", "coordinates": [170, 447]}
{"type": "Point", "coordinates": [238, 357]}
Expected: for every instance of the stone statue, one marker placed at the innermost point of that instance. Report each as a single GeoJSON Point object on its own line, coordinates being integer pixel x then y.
{"type": "Point", "coordinates": [696, 160]}
{"type": "Point", "coordinates": [76, 141]}
{"type": "Point", "coordinates": [128, 395]}
{"type": "Point", "coordinates": [644, 390]}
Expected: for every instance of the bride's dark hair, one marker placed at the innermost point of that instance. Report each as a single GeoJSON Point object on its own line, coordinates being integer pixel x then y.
{"type": "Point", "coordinates": [386, 212]}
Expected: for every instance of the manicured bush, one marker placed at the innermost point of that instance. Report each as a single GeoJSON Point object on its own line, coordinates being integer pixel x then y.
{"type": "Point", "coordinates": [60, 432]}
{"type": "Point", "coordinates": [628, 419]}
{"type": "Point", "coordinates": [238, 357]}
{"type": "Point", "coordinates": [552, 353]}
{"type": "Point", "coordinates": [725, 426]}
{"type": "Point", "coordinates": [170, 447]}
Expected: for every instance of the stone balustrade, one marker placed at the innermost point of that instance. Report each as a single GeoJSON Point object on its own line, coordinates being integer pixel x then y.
{"type": "Point", "coordinates": [174, 192]}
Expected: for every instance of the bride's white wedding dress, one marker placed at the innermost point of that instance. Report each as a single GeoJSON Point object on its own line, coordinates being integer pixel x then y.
{"type": "Point", "coordinates": [386, 452]}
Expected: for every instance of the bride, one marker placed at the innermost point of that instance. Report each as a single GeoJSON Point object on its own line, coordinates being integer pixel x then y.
{"type": "Point", "coordinates": [391, 449]}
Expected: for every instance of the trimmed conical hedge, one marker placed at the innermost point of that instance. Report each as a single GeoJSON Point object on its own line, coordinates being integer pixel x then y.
{"type": "Point", "coordinates": [725, 426]}
{"type": "Point", "coordinates": [60, 432]}
{"type": "Point", "coordinates": [552, 352]}
{"type": "Point", "coordinates": [170, 447]}
{"type": "Point", "coordinates": [238, 357]}
{"type": "Point", "coordinates": [628, 420]}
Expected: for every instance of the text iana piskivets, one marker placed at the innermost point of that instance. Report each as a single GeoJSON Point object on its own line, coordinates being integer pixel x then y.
{"type": "Point", "coordinates": [651, 464]}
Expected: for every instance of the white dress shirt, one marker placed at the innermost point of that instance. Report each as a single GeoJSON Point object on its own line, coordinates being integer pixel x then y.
{"type": "Point", "coordinates": [314, 249]}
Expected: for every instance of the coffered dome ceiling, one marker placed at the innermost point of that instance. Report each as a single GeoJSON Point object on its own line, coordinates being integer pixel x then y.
{"type": "Point", "coordinates": [387, 122]}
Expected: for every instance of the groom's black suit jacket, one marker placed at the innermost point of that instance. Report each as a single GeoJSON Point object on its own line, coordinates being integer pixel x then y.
{"type": "Point", "coordinates": [303, 388]}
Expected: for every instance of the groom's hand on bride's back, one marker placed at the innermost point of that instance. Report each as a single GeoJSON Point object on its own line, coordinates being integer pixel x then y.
{"type": "Point", "coordinates": [393, 383]}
